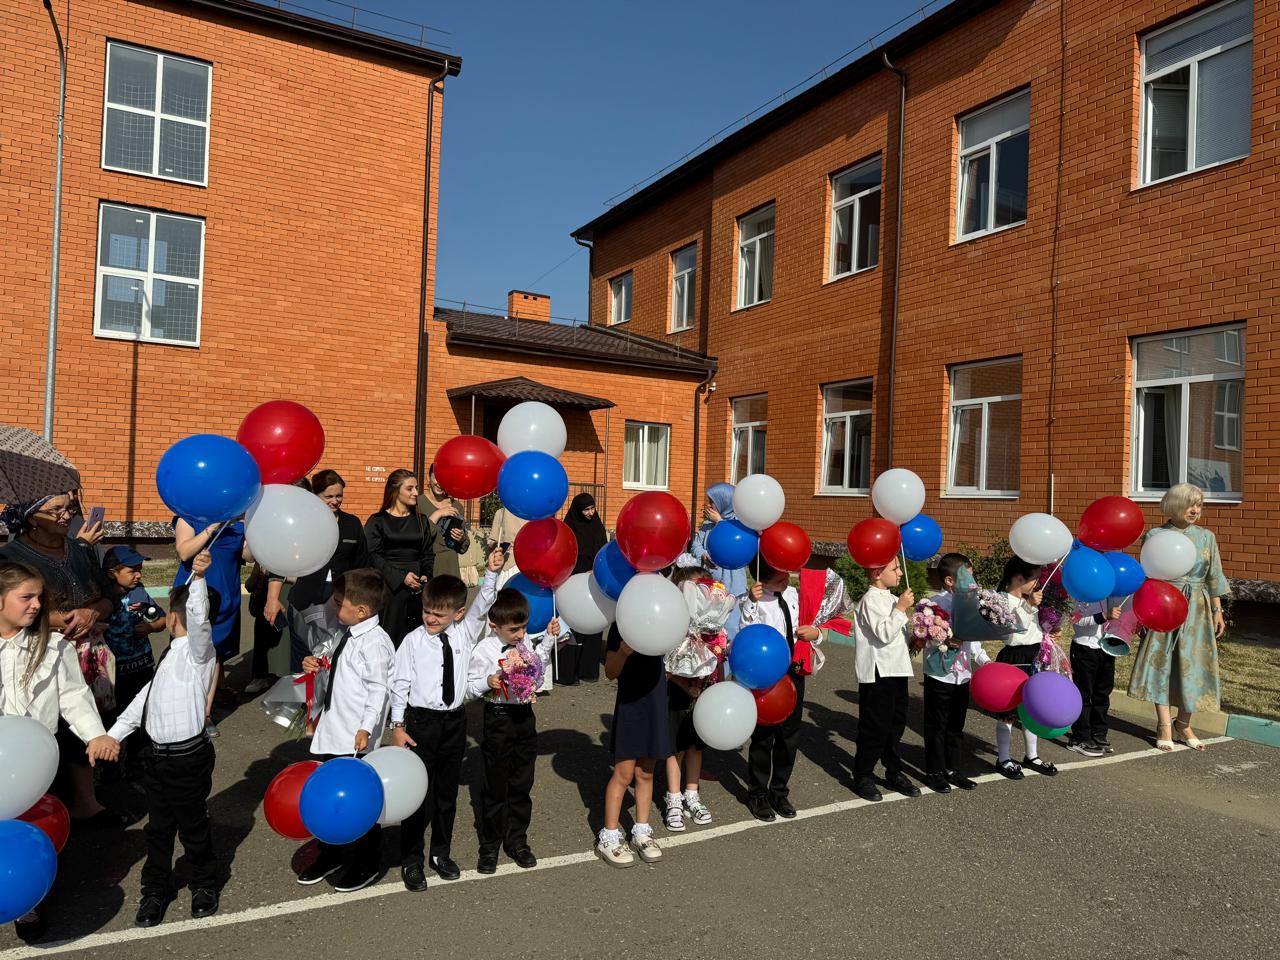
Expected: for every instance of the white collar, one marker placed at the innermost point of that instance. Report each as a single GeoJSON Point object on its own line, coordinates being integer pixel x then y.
{"type": "Point", "coordinates": [21, 639]}
{"type": "Point", "coordinates": [364, 626]}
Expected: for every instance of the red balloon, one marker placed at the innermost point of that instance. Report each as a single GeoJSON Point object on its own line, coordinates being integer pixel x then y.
{"type": "Point", "coordinates": [653, 529]}
{"type": "Point", "coordinates": [51, 816]}
{"type": "Point", "coordinates": [784, 546]}
{"type": "Point", "coordinates": [997, 687]}
{"type": "Point", "coordinates": [280, 805]}
{"type": "Point", "coordinates": [1160, 606]}
{"type": "Point", "coordinates": [775, 704]}
{"type": "Point", "coordinates": [546, 552]}
{"type": "Point", "coordinates": [874, 542]}
{"type": "Point", "coordinates": [467, 467]}
{"type": "Point", "coordinates": [1111, 523]}
{"type": "Point", "coordinates": [284, 438]}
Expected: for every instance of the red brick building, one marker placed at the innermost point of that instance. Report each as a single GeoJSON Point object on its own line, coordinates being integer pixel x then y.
{"type": "Point", "coordinates": [249, 213]}
{"type": "Point", "coordinates": [1071, 293]}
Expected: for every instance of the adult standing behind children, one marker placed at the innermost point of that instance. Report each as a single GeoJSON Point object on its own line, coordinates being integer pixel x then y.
{"type": "Point", "coordinates": [452, 539]}
{"type": "Point", "coordinates": [580, 660]}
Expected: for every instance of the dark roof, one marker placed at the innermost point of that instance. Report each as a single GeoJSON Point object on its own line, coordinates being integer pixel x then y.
{"type": "Point", "coordinates": [522, 388]}
{"type": "Point", "coordinates": [352, 36]}
{"type": "Point", "coordinates": [939, 23]}
{"type": "Point", "coordinates": [570, 342]}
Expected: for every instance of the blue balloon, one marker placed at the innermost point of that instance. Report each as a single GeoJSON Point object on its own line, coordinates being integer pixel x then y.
{"type": "Point", "coordinates": [541, 602]}
{"type": "Point", "coordinates": [921, 537]}
{"type": "Point", "coordinates": [533, 485]}
{"type": "Point", "coordinates": [1128, 571]}
{"type": "Point", "coordinates": [611, 569]}
{"type": "Point", "coordinates": [208, 479]}
{"type": "Point", "coordinates": [731, 544]}
{"type": "Point", "coordinates": [759, 656]}
{"type": "Point", "coordinates": [1087, 576]}
{"type": "Point", "coordinates": [341, 800]}
{"type": "Point", "coordinates": [28, 863]}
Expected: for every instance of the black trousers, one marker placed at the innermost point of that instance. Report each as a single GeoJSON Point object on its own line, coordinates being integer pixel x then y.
{"type": "Point", "coordinates": [589, 648]}
{"type": "Point", "coordinates": [882, 717]}
{"type": "Point", "coordinates": [1095, 675]}
{"type": "Point", "coordinates": [945, 707]}
{"type": "Point", "coordinates": [568, 663]}
{"type": "Point", "coordinates": [128, 686]}
{"type": "Point", "coordinates": [772, 754]}
{"type": "Point", "coordinates": [510, 749]}
{"type": "Point", "coordinates": [441, 737]}
{"type": "Point", "coordinates": [361, 855]}
{"type": "Point", "coordinates": [178, 791]}
{"type": "Point", "coordinates": [265, 637]}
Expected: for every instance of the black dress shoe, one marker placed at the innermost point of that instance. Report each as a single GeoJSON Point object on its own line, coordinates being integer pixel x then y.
{"type": "Point", "coordinates": [867, 790]}
{"type": "Point", "coordinates": [319, 870]}
{"type": "Point", "coordinates": [525, 859]}
{"type": "Point", "coordinates": [960, 782]}
{"type": "Point", "coordinates": [415, 880]}
{"type": "Point", "coordinates": [783, 807]}
{"type": "Point", "coordinates": [759, 808]}
{"type": "Point", "coordinates": [902, 784]}
{"type": "Point", "coordinates": [349, 881]}
{"type": "Point", "coordinates": [31, 927]}
{"type": "Point", "coordinates": [938, 783]}
{"type": "Point", "coordinates": [487, 864]}
{"type": "Point", "coordinates": [150, 911]}
{"type": "Point", "coordinates": [445, 868]}
{"type": "Point", "coordinates": [204, 902]}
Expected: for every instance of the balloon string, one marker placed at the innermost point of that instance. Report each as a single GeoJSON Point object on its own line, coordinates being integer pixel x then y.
{"type": "Point", "coordinates": [1052, 572]}
{"type": "Point", "coordinates": [905, 575]}
{"type": "Point", "coordinates": [217, 533]}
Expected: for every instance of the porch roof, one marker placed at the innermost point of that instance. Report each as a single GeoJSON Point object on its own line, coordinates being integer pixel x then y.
{"type": "Point", "coordinates": [522, 388]}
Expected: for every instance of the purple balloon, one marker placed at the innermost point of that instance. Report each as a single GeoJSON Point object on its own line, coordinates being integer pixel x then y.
{"type": "Point", "coordinates": [1052, 700]}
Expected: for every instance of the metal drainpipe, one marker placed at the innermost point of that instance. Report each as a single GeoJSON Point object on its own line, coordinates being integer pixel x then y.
{"type": "Point", "coordinates": [697, 423]}
{"type": "Point", "coordinates": [51, 354]}
{"type": "Point", "coordinates": [424, 340]}
{"type": "Point", "coordinates": [591, 263]}
{"type": "Point", "coordinates": [897, 245]}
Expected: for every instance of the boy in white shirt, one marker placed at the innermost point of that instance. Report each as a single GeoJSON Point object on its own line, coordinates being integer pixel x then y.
{"type": "Point", "coordinates": [354, 709]}
{"type": "Point", "coordinates": [178, 764]}
{"type": "Point", "coordinates": [1094, 673]}
{"type": "Point", "coordinates": [882, 660]}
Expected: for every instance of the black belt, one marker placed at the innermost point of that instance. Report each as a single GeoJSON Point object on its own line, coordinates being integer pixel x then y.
{"type": "Point", "coordinates": [513, 708]}
{"type": "Point", "coordinates": [182, 748]}
{"type": "Point", "coordinates": [440, 713]}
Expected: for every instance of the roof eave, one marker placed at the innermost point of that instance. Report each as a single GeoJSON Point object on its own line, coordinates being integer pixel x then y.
{"type": "Point", "coordinates": [466, 339]}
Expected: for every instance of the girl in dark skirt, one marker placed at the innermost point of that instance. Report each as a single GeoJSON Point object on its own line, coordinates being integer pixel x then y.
{"type": "Point", "coordinates": [1020, 585]}
{"type": "Point", "coordinates": [639, 740]}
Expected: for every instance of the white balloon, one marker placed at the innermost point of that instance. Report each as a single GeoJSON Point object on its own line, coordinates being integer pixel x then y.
{"type": "Point", "coordinates": [1168, 555]}
{"type": "Point", "coordinates": [583, 604]}
{"type": "Point", "coordinates": [291, 532]}
{"type": "Point", "coordinates": [898, 495]}
{"type": "Point", "coordinates": [404, 782]}
{"type": "Point", "coordinates": [652, 614]}
{"type": "Point", "coordinates": [724, 715]}
{"type": "Point", "coordinates": [758, 501]}
{"type": "Point", "coordinates": [1040, 538]}
{"type": "Point", "coordinates": [532, 425]}
{"type": "Point", "coordinates": [28, 762]}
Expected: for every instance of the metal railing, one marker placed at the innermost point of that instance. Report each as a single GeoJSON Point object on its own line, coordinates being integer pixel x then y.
{"type": "Point", "coordinates": [368, 21]}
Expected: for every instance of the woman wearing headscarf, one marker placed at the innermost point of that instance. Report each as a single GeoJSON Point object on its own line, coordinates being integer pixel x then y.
{"type": "Point", "coordinates": [719, 506]}
{"type": "Point", "coordinates": [580, 659]}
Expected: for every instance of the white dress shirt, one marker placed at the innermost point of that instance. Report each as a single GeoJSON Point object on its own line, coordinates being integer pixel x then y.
{"type": "Point", "coordinates": [180, 688]}
{"type": "Point", "coordinates": [973, 654]}
{"type": "Point", "coordinates": [417, 676]}
{"type": "Point", "coordinates": [768, 612]}
{"type": "Point", "coordinates": [359, 689]}
{"type": "Point", "coordinates": [1027, 618]}
{"type": "Point", "coordinates": [484, 664]}
{"type": "Point", "coordinates": [1089, 628]}
{"type": "Point", "coordinates": [57, 687]}
{"type": "Point", "coordinates": [880, 637]}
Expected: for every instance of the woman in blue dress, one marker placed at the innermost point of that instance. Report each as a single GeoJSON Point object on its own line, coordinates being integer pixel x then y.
{"type": "Point", "coordinates": [719, 506]}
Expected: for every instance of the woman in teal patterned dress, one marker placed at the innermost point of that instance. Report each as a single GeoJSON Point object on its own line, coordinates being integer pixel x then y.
{"type": "Point", "coordinates": [1180, 668]}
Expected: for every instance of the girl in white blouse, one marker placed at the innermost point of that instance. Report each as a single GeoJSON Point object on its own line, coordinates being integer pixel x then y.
{"type": "Point", "coordinates": [1020, 585]}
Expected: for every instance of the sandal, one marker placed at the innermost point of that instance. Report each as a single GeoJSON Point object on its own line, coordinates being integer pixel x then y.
{"type": "Point", "coordinates": [1042, 767]}
{"type": "Point", "coordinates": [1184, 734]}
{"type": "Point", "coordinates": [1010, 770]}
{"type": "Point", "coordinates": [1164, 744]}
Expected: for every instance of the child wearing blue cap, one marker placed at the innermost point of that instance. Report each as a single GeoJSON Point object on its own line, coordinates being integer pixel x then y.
{"type": "Point", "coordinates": [134, 617]}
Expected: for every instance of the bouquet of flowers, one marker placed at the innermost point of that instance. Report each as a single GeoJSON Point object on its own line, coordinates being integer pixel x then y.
{"type": "Point", "coordinates": [993, 608]}
{"type": "Point", "coordinates": [521, 675]}
{"type": "Point", "coordinates": [706, 644]}
{"type": "Point", "coordinates": [1050, 619]}
{"type": "Point", "coordinates": [1050, 657]}
{"type": "Point", "coordinates": [930, 627]}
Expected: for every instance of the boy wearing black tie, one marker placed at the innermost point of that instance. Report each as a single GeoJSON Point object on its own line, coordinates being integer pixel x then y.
{"type": "Point", "coordinates": [428, 687]}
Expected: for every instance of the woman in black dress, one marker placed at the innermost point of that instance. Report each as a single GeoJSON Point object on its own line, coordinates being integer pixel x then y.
{"type": "Point", "coordinates": [580, 660]}
{"type": "Point", "coordinates": [401, 542]}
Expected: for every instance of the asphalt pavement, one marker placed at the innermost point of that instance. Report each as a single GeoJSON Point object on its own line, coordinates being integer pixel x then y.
{"type": "Point", "coordinates": [1139, 853]}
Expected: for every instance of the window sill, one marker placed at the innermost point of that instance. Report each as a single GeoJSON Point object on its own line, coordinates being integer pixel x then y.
{"type": "Point", "coordinates": [758, 303]}
{"type": "Point", "coordinates": [852, 273]}
{"type": "Point", "coordinates": [204, 184]}
{"type": "Point", "coordinates": [970, 237]}
{"type": "Point", "coordinates": [979, 495]}
{"type": "Point", "coordinates": [674, 330]}
{"type": "Point", "coordinates": [1227, 499]}
{"type": "Point", "coordinates": [131, 338]}
{"type": "Point", "coordinates": [618, 323]}
{"type": "Point", "coordinates": [843, 493]}
{"type": "Point", "coordinates": [641, 486]}
{"type": "Point", "coordinates": [1187, 173]}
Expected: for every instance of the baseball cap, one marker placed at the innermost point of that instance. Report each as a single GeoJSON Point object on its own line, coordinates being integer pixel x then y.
{"type": "Point", "coordinates": [123, 556]}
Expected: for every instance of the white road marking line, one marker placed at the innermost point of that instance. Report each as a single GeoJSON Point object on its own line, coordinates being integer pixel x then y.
{"type": "Point", "coordinates": [326, 900]}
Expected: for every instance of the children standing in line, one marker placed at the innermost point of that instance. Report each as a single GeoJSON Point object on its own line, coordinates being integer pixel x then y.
{"type": "Point", "coordinates": [179, 762]}
{"type": "Point", "coordinates": [772, 755]}
{"type": "Point", "coordinates": [1094, 673]}
{"type": "Point", "coordinates": [946, 685]}
{"type": "Point", "coordinates": [509, 743]}
{"type": "Point", "coordinates": [428, 687]}
{"type": "Point", "coordinates": [354, 709]}
{"type": "Point", "coordinates": [1020, 584]}
{"type": "Point", "coordinates": [882, 660]}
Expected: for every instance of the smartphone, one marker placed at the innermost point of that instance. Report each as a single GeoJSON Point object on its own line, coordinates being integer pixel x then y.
{"type": "Point", "coordinates": [95, 516]}
{"type": "Point", "coordinates": [505, 547]}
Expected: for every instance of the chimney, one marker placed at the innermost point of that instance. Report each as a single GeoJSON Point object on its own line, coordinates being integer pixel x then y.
{"type": "Point", "coordinates": [528, 306]}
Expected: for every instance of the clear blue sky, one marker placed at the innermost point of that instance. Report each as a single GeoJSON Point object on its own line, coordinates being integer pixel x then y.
{"type": "Point", "coordinates": [562, 105]}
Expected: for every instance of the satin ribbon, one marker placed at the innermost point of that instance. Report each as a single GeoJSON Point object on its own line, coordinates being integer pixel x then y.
{"type": "Point", "coordinates": [310, 680]}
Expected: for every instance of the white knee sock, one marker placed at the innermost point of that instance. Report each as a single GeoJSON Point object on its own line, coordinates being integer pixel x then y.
{"type": "Point", "coordinates": [1033, 744]}
{"type": "Point", "coordinates": [1003, 736]}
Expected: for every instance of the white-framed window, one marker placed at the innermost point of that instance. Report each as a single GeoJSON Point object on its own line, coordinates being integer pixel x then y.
{"type": "Point", "coordinates": [1197, 91]}
{"type": "Point", "coordinates": [620, 299]}
{"type": "Point", "coordinates": [1188, 413]}
{"type": "Point", "coordinates": [150, 269]}
{"type": "Point", "coordinates": [750, 430]}
{"type": "Point", "coordinates": [855, 220]}
{"type": "Point", "coordinates": [1228, 347]}
{"type": "Point", "coordinates": [986, 428]}
{"type": "Point", "coordinates": [755, 257]}
{"type": "Point", "coordinates": [846, 437]}
{"type": "Point", "coordinates": [684, 271]}
{"type": "Point", "coordinates": [645, 452]}
{"type": "Point", "coordinates": [155, 115]}
{"type": "Point", "coordinates": [993, 167]}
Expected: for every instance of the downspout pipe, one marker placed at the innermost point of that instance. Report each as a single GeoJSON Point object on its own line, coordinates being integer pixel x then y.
{"type": "Point", "coordinates": [591, 266]}
{"type": "Point", "coordinates": [697, 446]}
{"type": "Point", "coordinates": [897, 245]}
{"type": "Point", "coordinates": [51, 352]}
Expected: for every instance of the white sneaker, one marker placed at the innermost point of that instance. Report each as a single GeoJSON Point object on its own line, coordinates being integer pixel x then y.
{"type": "Point", "coordinates": [697, 810]}
{"type": "Point", "coordinates": [646, 847]}
{"type": "Point", "coordinates": [255, 687]}
{"type": "Point", "coordinates": [615, 853]}
{"type": "Point", "coordinates": [675, 815]}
